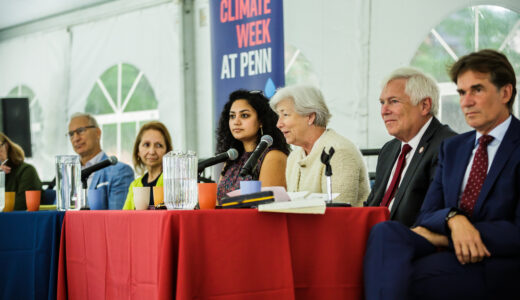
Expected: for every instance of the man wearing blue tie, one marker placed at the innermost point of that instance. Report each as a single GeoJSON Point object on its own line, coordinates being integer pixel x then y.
{"type": "Point", "coordinates": [466, 241]}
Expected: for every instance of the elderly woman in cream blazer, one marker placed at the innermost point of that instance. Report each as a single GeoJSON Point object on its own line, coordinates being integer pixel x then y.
{"type": "Point", "coordinates": [303, 117]}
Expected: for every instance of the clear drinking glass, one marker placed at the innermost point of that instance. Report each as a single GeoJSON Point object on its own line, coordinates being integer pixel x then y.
{"type": "Point", "coordinates": [68, 182]}
{"type": "Point", "coordinates": [180, 180]}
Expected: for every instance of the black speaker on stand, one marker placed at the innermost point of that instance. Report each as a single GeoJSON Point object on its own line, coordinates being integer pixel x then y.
{"type": "Point", "coordinates": [16, 122]}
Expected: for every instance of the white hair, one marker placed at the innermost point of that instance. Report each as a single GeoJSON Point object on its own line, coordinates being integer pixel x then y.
{"type": "Point", "coordinates": [418, 86]}
{"type": "Point", "coordinates": [307, 99]}
{"type": "Point", "coordinates": [91, 120]}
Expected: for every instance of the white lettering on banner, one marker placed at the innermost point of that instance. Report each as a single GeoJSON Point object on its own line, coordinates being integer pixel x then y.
{"type": "Point", "coordinates": [256, 62]}
{"type": "Point", "coordinates": [228, 66]}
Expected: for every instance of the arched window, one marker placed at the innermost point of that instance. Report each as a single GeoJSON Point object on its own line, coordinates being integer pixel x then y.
{"type": "Point", "coordinates": [122, 99]}
{"type": "Point", "coordinates": [35, 111]}
{"type": "Point", "coordinates": [467, 30]}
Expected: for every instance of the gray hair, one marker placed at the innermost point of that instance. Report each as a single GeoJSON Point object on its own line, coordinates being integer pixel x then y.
{"type": "Point", "coordinates": [418, 86]}
{"type": "Point", "coordinates": [91, 120]}
{"type": "Point", "coordinates": [307, 99]}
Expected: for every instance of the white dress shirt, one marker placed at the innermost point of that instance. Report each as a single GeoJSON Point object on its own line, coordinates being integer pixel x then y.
{"type": "Point", "coordinates": [414, 143]}
{"type": "Point", "coordinates": [498, 134]}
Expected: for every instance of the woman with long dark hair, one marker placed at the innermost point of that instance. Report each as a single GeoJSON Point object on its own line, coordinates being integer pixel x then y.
{"type": "Point", "coordinates": [246, 117]}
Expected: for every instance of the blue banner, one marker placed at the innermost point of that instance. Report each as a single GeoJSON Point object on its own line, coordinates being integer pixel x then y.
{"type": "Point", "coordinates": [247, 47]}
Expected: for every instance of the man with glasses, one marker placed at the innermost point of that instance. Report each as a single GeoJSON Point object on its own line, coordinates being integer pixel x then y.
{"type": "Point", "coordinates": [85, 136]}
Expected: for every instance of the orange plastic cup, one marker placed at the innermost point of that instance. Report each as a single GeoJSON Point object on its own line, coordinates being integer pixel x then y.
{"type": "Point", "coordinates": [207, 195]}
{"type": "Point", "coordinates": [158, 196]}
{"type": "Point", "coordinates": [9, 201]}
{"type": "Point", "coordinates": [32, 199]}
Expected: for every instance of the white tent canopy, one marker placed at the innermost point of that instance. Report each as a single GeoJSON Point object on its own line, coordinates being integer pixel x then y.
{"type": "Point", "coordinates": [64, 50]}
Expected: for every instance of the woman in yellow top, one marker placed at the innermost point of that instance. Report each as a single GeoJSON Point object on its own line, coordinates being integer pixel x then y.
{"type": "Point", "coordinates": [152, 143]}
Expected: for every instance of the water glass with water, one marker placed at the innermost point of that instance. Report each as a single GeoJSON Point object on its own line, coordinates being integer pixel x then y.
{"type": "Point", "coordinates": [68, 182]}
{"type": "Point", "coordinates": [180, 180]}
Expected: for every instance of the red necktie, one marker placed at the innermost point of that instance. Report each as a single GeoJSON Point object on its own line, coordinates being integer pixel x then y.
{"type": "Point", "coordinates": [477, 175]}
{"type": "Point", "coordinates": [394, 184]}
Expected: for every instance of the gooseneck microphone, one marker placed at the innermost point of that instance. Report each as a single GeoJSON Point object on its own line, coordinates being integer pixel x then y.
{"type": "Point", "coordinates": [265, 142]}
{"type": "Point", "coordinates": [231, 154]}
{"type": "Point", "coordinates": [85, 173]}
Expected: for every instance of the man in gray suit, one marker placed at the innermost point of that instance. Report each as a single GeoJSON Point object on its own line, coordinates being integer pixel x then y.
{"type": "Point", "coordinates": [406, 164]}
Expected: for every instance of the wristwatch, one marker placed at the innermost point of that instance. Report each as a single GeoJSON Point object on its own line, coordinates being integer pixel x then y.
{"type": "Point", "coordinates": [451, 214]}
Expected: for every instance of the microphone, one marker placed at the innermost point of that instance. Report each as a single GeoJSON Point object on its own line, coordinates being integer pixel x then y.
{"type": "Point", "coordinates": [231, 154]}
{"type": "Point", "coordinates": [265, 142]}
{"type": "Point", "coordinates": [85, 173]}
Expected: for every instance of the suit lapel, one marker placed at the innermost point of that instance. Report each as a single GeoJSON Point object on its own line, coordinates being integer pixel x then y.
{"type": "Point", "coordinates": [457, 171]}
{"type": "Point", "coordinates": [506, 148]}
{"type": "Point", "coordinates": [393, 153]}
{"type": "Point", "coordinates": [414, 162]}
{"type": "Point", "coordinates": [97, 175]}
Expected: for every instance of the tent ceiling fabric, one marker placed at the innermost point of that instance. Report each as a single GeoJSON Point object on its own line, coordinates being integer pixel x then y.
{"type": "Point", "coordinates": [14, 13]}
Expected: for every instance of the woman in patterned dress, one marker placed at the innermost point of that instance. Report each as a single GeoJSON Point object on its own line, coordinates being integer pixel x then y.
{"type": "Point", "coordinates": [246, 117]}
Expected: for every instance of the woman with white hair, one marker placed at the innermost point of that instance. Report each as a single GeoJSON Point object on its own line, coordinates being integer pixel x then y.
{"type": "Point", "coordinates": [302, 118]}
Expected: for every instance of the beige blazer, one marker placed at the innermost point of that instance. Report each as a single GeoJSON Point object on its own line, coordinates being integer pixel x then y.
{"type": "Point", "coordinates": [349, 173]}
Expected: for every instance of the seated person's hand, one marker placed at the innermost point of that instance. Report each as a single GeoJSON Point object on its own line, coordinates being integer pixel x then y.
{"type": "Point", "coordinates": [438, 240]}
{"type": "Point", "coordinates": [468, 245]}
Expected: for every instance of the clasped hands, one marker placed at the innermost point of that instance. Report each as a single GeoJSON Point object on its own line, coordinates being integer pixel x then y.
{"type": "Point", "coordinates": [468, 245]}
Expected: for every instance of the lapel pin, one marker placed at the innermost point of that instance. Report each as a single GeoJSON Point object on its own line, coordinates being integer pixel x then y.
{"type": "Point", "coordinates": [421, 150]}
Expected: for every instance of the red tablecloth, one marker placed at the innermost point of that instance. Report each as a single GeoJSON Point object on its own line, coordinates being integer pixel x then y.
{"type": "Point", "coordinates": [214, 254]}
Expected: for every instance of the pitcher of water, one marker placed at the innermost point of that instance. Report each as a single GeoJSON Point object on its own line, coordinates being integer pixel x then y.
{"type": "Point", "coordinates": [68, 183]}
{"type": "Point", "coordinates": [180, 180]}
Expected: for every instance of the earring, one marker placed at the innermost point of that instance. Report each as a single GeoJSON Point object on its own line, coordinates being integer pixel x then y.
{"type": "Point", "coordinates": [261, 131]}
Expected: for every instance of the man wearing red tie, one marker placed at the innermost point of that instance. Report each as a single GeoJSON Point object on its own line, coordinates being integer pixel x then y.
{"type": "Point", "coordinates": [406, 164]}
{"type": "Point", "coordinates": [466, 243]}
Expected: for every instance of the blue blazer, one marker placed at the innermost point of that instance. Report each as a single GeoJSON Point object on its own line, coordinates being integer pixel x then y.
{"type": "Point", "coordinates": [497, 211]}
{"type": "Point", "coordinates": [115, 180]}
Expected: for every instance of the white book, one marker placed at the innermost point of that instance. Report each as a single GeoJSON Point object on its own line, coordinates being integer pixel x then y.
{"type": "Point", "coordinates": [303, 206]}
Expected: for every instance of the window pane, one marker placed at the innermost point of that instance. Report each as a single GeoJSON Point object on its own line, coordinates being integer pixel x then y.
{"type": "Point", "coordinates": [452, 114]}
{"type": "Point", "coordinates": [128, 135]}
{"type": "Point", "coordinates": [433, 59]}
{"type": "Point", "coordinates": [129, 74]}
{"type": "Point", "coordinates": [109, 138]}
{"type": "Point", "coordinates": [299, 68]}
{"type": "Point", "coordinates": [143, 97]}
{"type": "Point", "coordinates": [97, 103]}
{"type": "Point", "coordinates": [495, 23]}
{"type": "Point", "coordinates": [109, 79]}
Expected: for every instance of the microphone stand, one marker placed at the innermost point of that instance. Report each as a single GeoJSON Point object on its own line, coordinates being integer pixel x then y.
{"type": "Point", "coordinates": [82, 203]}
{"type": "Point", "coordinates": [325, 159]}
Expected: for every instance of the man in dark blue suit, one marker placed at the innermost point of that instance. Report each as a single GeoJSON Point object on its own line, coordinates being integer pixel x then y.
{"type": "Point", "coordinates": [466, 242]}
{"type": "Point", "coordinates": [85, 137]}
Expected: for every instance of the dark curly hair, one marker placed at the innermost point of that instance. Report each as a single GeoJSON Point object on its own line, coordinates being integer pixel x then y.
{"type": "Point", "coordinates": [266, 116]}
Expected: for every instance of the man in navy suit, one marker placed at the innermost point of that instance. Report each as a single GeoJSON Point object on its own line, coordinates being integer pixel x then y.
{"type": "Point", "coordinates": [466, 242]}
{"type": "Point", "coordinates": [85, 137]}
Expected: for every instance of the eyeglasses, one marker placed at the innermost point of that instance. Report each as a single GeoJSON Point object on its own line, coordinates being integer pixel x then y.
{"type": "Point", "coordinates": [79, 131]}
{"type": "Point", "coordinates": [256, 92]}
